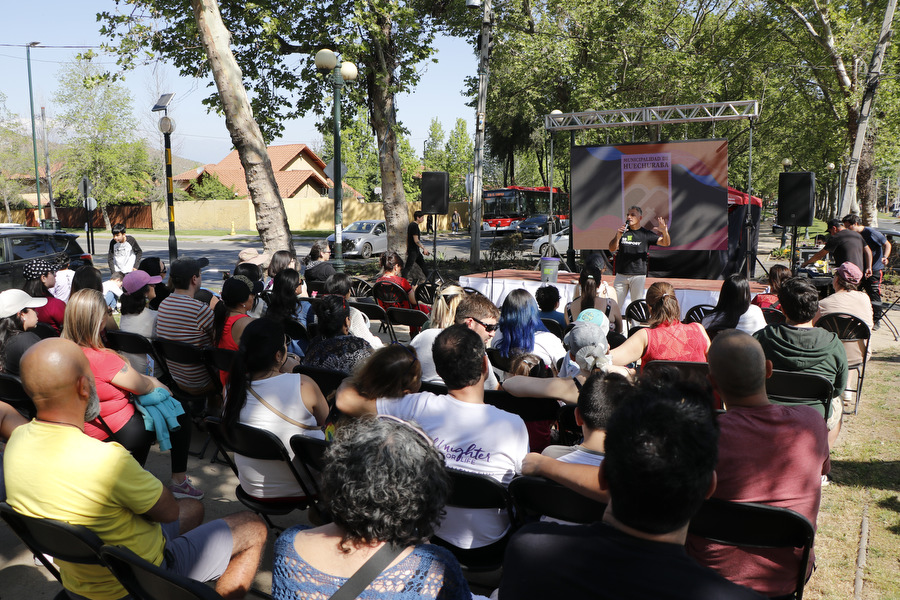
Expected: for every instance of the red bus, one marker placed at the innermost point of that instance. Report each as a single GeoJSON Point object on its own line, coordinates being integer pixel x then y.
{"type": "Point", "coordinates": [505, 207]}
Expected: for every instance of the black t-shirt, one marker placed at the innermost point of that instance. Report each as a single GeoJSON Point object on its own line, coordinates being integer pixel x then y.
{"type": "Point", "coordinates": [846, 245]}
{"type": "Point", "coordinates": [14, 349]}
{"type": "Point", "coordinates": [631, 259]}
{"type": "Point", "coordinates": [412, 232]}
{"type": "Point", "coordinates": [596, 562]}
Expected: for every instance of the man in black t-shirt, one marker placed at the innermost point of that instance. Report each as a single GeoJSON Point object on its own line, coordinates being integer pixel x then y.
{"type": "Point", "coordinates": [631, 244]}
{"type": "Point", "coordinates": [845, 246]}
{"type": "Point", "coordinates": [654, 488]}
{"type": "Point", "coordinates": [415, 249]}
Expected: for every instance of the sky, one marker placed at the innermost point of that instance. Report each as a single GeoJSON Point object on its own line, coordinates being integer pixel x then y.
{"type": "Point", "coordinates": [198, 135]}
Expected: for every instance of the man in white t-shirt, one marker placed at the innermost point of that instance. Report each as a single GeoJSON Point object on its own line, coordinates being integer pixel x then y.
{"type": "Point", "coordinates": [477, 313]}
{"type": "Point", "coordinates": [472, 435]}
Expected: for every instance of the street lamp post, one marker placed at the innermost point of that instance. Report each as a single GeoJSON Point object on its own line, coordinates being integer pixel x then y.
{"type": "Point", "coordinates": [327, 62]}
{"type": "Point", "coordinates": [785, 164]}
{"type": "Point", "coordinates": [37, 174]}
{"type": "Point", "coordinates": [167, 126]}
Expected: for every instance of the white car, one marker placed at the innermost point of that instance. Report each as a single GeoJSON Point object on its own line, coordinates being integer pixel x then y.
{"type": "Point", "coordinates": [363, 238]}
{"type": "Point", "coordinates": [560, 242]}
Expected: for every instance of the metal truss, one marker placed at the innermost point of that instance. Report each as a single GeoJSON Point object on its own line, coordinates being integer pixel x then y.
{"type": "Point", "coordinates": [653, 115]}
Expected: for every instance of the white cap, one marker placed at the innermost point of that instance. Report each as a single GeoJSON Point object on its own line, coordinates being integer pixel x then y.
{"type": "Point", "coordinates": [12, 301]}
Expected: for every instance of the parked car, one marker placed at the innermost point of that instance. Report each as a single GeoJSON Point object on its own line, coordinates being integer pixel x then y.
{"type": "Point", "coordinates": [20, 244]}
{"type": "Point", "coordinates": [560, 242]}
{"type": "Point", "coordinates": [363, 238]}
{"type": "Point", "coordinates": [533, 227]}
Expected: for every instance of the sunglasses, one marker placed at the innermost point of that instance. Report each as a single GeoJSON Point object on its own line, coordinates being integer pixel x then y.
{"type": "Point", "coordinates": [489, 327]}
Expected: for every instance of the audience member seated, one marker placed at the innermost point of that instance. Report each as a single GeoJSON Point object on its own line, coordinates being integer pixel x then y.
{"type": "Point", "coordinates": [733, 310]}
{"type": "Point", "coordinates": [182, 318]}
{"type": "Point", "coordinates": [17, 317]}
{"type": "Point", "coordinates": [266, 394]}
{"type": "Point", "coordinates": [472, 435]}
{"type": "Point", "coordinates": [778, 274]}
{"type": "Point", "coordinates": [392, 371]}
{"type": "Point", "coordinates": [475, 312]}
{"type": "Point", "coordinates": [589, 286]}
{"type": "Point", "coordinates": [386, 487]}
{"type": "Point", "coordinates": [119, 420]}
{"type": "Point", "coordinates": [154, 266]}
{"type": "Point", "coordinates": [137, 316]}
{"type": "Point", "coordinates": [339, 285]}
{"type": "Point", "coordinates": [54, 471]}
{"type": "Point", "coordinates": [768, 453]}
{"type": "Point", "coordinates": [653, 488]}
{"type": "Point", "coordinates": [317, 266]}
{"type": "Point", "coordinates": [847, 299]}
{"type": "Point", "coordinates": [286, 304]}
{"type": "Point", "coordinates": [230, 316]}
{"type": "Point", "coordinates": [254, 274]}
{"type": "Point", "coordinates": [547, 297]}
{"type": "Point", "coordinates": [521, 330]}
{"type": "Point", "coordinates": [443, 311]}
{"type": "Point", "coordinates": [333, 347]}
{"type": "Point", "coordinates": [88, 277]}
{"type": "Point", "coordinates": [666, 337]}
{"type": "Point", "coordinates": [281, 260]}
{"type": "Point", "coordinates": [9, 420]}
{"type": "Point", "coordinates": [40, 276]}
{"type": "Point", "coordinates": [796, 345]}
{"type": "Point", "coordinates": [392, 268]}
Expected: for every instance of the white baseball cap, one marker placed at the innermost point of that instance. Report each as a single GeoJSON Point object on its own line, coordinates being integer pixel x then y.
{"type": "Point", "coordinates": [12, 301]}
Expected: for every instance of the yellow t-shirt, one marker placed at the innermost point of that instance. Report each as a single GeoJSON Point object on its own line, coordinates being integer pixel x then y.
{"type": "Point", "coordinates": [58, 472]}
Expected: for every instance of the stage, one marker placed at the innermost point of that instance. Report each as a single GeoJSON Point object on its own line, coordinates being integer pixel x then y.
{"type": "Point", "coordinates": [690, 292]}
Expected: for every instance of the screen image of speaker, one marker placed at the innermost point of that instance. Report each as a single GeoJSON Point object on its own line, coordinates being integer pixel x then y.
{"type": "Point", "coordinates": [435, 192]}
{"type": "Point", "coordinates": [796, 199]}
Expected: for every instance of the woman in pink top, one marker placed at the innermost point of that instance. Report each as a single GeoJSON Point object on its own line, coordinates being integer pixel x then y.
{"type": "Point", "coordinates": [116, 381]}
{"type": "Point", "coordinates": [666, 337]}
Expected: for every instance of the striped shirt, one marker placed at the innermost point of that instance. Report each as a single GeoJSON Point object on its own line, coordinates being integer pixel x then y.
{"type": "Point", "coordinates": [184, 319]}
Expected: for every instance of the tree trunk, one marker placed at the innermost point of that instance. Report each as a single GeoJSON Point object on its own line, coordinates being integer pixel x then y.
{"type": "Point", "coordinates": [8, 212]}
{"type": "Point", "coordinates": [384, 123]}
{"type": "Point", "coordinates": [271, 219]}
{"type": "Point", "coordinates": [868, 202]}
{"type": "Point", "coordinates": [106, 221]}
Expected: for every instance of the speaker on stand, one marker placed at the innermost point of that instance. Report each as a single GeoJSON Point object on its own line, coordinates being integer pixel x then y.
{"type": "Point", "coordinates": [435, 201]}
{"type": "Point", "coordinates": [796, 205]}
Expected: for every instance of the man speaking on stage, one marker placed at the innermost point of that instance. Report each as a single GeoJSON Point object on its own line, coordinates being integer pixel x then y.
{"type": "Point", "coordinates": [631, 244]}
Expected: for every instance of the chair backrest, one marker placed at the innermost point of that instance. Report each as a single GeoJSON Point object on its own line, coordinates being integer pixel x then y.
{"type": "Point", "coordinates": [553, 327]}
{"type": "Point", "coordinates": [754, 525]}
{"type": "Point", "coordinates": [406, 316]}
{"type": "Point", "coordinates": [772, 315]}
{"type": "Point", "coordinates": [389, 293]}
{"type": "Point", "coordinates": [638, 311]}
{"type": "Point", "coordinates": [471, 290]}
{"type": "Point", "coordinates": [13, 393]}
{"type": "Point", "coordinates": [222, 358]}
{"type": "Point", "coordinates": [795, 387]}
{"type": "Point", "coordinates": [537, 496]}
{"type": "Point", "coordinates": [146, 581]}
{"type": "Point", "coordinates": [474, 490]}
{"type": "Point", "coordinates": [311, 451]}
{"type": "Point", "coordinates": [327, 380]}
{"type": "Point", "coordinates": [530, 409]}
{"type": "Point", "coordinates": [61, 540]}
{"type": "Point", "coordinates": [849, 328]}
{"type": "Point", "coordinates": [375, 313]}
{"type": "Point", "coordinates": [360, 288]}
{"type": "Point", "coordinates": [426, 292]}
{"type": "Point", "coordinates": [696, 313]}
{"type": "Point", "coordinates": [295, 330]}
{"type": "Point", "coordinates": [435, 388]}
{"type": "Point", "coordinates": [694, 372]}
{"type": "Point", "coordinates": [44, 331]}
{"type": "Point", "coordinates": [315, 286]}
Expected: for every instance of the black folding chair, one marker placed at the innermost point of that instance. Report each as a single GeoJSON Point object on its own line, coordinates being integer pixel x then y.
{"type": "Point", "coordinates": [772, 315]}
{"type": "Point", "coordinates": [536, 496]}
{"type": "Point", "coordinates": [426, 292]}
{"type": "Point", "coordinates": [694, 372]}
{"type": "Point", "coordinates": [295, 330]}
{"type": "Point", "coordinates": [389, 294]}
{"type": "Point", "coordinates": [375, 313]}
{"type": "Point", "coordinates": [855, 335]}
{"type": "Point", "coordinates": [135, 343]}
{"type": "Point", "coordinates": [528, 408]}
{"type": "Point", "coordinates": [146, 581]}
{"type": "Point", "coordinates": [697, 313]}
{"type": "Point", "coordinates": [309, 454]}
{"type": "Point", "coordinates": [553, 327]}
{"type": "Point", "coordinates": [359, 288]}
{"type": "Point", "coordinates": [327, 380]}
{"type": "Point", "coordinates": [883, 315]}
{"type": "Point", "coordinates": [475, 491]}
{"type": "Point", "coordinates": [315, 286]}
{"type": "Point", "coordinates": [639, 312]}
{"type": "Point", "coordinates": [61, 540]}
{"type": "Point", "coordinates": [795, 387]}
{"type": "Point", "coordinates": [258, 444]}
{"type": "Point", "coordinates": [12, 392]}
{"type": "Point", "coordinates": [752, 525]}
{"type": "Point", "coordinates": [409, 317]}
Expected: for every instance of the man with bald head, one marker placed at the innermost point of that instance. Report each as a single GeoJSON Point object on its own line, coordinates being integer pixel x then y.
{"type": "Point", "coordinates": [54, 471]}
{"type": "Point", "coordinates": [768, 453]}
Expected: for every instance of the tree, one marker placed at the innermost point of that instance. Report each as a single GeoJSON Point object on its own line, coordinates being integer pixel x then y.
{"type": "Point", "coordinates": [96, 118]}
{"type": "Point", "coordinates": [459, 154]}
{"type": "Point", "coordinates": [359, 153]}
{"type": "Point", "coordinates": [209, 187]}
{"type": "Point", "coordinates": [435, 156]}
{"type": "Point", "coordinates": [13, 158]}
{"type": "Point", "coordinates": [388, 39]}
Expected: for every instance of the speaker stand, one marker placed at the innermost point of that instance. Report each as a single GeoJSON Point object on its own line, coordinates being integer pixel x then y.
{"type": "Point", "coordinates": [794, 263]}
{"type": "Point", "coordinates": [435, 276]}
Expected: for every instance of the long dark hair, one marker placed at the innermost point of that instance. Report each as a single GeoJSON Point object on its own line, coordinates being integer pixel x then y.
{"type": "Point", "coordinates": [261, 341]}
{"type": "Point", "coordinates": [87, 277]}
{"type": "Point", "coordinates": [589, 280]}
{"type": "Point", "coordinates": [36, 288]}
{"type": "Point", "coordinates": [332, 313]}
{"type": "Point", "coordinates": [10, 327]}
{"type": "Point", "coordinates": [734, 300]}
{"type": "Point", "coordinates": [283, 301]}
{"type": "Point", "coordinates": [135, 302]}
{"type": "Point", "coordinates": [281, 260]}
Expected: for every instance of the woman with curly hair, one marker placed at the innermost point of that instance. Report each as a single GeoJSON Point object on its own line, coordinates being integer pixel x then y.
{"type": "Point", "coordinates": [17, 316]}
{"type": "Point", "coordinates": [522, 332]}
{"type": "Point", "coordinates": [666, 337]}
{"type": "Point", "coordinates": [385, 486]}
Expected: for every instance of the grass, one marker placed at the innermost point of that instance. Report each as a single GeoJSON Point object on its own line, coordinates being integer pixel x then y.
{"type": "Point", "coordinates": [866, 479]}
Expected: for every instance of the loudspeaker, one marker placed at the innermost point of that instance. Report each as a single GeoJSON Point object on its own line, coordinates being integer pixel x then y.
{"type": "Point", "coordinates": [796, 199]}
{"type": "Point", "coordinates": [435, 192]}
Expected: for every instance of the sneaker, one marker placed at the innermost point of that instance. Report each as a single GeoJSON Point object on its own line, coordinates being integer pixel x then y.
{"type": "Point", "coordinates": [825, 480]}
{"type": "Point", "coordinates": [185, 489]}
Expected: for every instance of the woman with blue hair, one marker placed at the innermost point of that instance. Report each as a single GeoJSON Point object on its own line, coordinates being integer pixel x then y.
{"type": "Point", "coordinates": [522, 332]}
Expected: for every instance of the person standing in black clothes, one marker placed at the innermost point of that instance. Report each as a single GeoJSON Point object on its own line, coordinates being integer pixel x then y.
{"type": "Point", "coordinates": [844, 245]}
{"type": "Point", "coordinates": [414, 248]}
